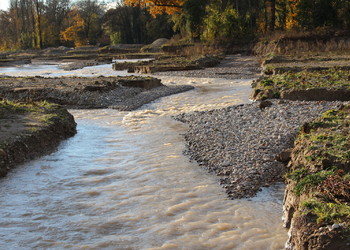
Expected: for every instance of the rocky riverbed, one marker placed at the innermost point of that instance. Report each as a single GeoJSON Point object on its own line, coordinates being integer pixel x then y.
{"type": "Point", "coordinates": [246, 145]}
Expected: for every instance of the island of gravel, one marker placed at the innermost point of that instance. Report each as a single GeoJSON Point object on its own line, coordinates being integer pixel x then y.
{"type": "Point", "coordinates": [122, 93]}
{"type": "Point", "coordinates": [247, 145]}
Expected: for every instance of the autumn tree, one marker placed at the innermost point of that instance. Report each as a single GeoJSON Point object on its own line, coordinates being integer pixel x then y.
{"type": "Point", "coordinates": [91, 12]}
{"type": "Point", "coordinates": [343, 13]}
{"type": "Point", "coordinates": [56, 12]}
{"type": "Point", "coordinates": [26, 16]}
{"type": "Point", "coordinates": [38, 16]}
{"type": "Point", "coordinates": [194, 12]}
{"type": "Point", "coordinates": [9, 34]}
{"type": "Point", "coordinates": [126, 24]}
{"type": "Point", "coordinates": [117, 23]}
{"type": "Point", "coordinates": [157, 7]}
{"type": "Point", "coordinates": [75, 30]}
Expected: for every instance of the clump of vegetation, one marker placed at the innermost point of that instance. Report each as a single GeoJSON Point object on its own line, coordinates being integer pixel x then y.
{"type": "Point", "coordinates": [41, 111]}
{"type": "Point", "coordinates": [333, 78]}
{"type": "Point", "coordinates": [6, 105]}
{"type": "Point", "coordinates": [323, 174]}
{"type": "Point", "coordinates": [327, 212]}
{"type": "Point", "coordinates": [330, 204]}
{"type": "Point", "coordinates": [306, 181]}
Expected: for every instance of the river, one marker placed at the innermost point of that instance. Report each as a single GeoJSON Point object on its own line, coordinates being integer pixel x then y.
{"type": "Point", "coordinates": [123, 182]}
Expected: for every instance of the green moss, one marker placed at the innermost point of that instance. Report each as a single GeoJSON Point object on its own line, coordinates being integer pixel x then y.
{"type": "Point", "coordinates": [328, 138]}
{"type": "Point", "coordinates": [267, 82]}
{"type": "Point", "coordinates": [6, 105]}
{"type": "Point", "coordinates": [263, 97]}
{"type": "Point", "coordinates": [256, 92]}
{"type": "Point", "coordinates": [297, 175]}
{"type": "Point", "coordinates": [327, 212]}
{"type": "Point", "coordinates": [276, 94]}
{"type": "Point", "coordinates": [40, 111]}
{"type": "Point", "coordinates": [305, 180]}
{"type": "Point", "coordinates": [331, 79]}
{"type": "Point", "coordinates": [311, 181]}
{"type": "Point", "coordinates": [322, 176]}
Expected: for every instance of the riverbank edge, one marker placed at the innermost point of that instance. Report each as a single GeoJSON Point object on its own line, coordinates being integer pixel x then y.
{"type": "Point", "coordinates": [38, 140]}
{"type": "Point", "coordinates": [303, 79]}
{"type": "Point", "coordinates": [316, 202]}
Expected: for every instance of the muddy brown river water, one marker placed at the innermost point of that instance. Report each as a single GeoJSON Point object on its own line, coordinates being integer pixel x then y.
{"type": "Point", "coordinates": [123, 183]}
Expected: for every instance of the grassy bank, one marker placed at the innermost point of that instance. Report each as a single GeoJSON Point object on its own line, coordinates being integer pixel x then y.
{"type": "Point", "coordinates": [274, 86]}
{"type": "Point", "coordinates": [28, 130]}
{"type": "Point", "coordinates": [318, 189]}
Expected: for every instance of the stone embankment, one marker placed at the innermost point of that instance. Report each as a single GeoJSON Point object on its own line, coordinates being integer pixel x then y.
{"type": "Point", "coordinates": [31, 130]}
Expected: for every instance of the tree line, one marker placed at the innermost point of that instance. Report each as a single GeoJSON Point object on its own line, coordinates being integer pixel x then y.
{"type": "Point", "coordinates": [36, 24]}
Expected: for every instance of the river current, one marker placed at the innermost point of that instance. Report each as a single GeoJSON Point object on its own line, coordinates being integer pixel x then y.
{"type": "Point", "coordinates": [123, 182]}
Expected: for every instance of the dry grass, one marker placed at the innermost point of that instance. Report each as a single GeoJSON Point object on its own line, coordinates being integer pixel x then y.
{"type": "Point", "coordinates": [201, 50]}
{"type": "Point", "coordinates": [303, 44]}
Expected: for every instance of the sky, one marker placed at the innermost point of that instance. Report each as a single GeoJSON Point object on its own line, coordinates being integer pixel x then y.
{"type": "Point", "coordinates": [4, 4]}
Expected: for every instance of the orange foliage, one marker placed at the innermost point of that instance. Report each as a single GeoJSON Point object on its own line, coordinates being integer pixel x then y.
{"type": "Point", "coordinates": [74, 32]}
{"type": "Point", "coordinates": [156, 7]}
{"type": "Point", "coordinates": [292, 21]}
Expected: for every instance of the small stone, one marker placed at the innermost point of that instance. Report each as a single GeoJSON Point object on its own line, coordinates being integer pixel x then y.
{"type": "Point", "coordinates": [335, 226]}
{"type": "Point", "coordinates": [3, 153]}
{"type": "Point", "coordinates": [284, 156]}
{"type": "Point", "coordinates": [265, 104]}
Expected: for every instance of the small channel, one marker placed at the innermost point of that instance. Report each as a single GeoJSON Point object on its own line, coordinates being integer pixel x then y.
{"type": "Point", "coordinates": [123, 183]}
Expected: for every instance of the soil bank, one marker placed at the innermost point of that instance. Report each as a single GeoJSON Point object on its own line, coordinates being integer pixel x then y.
{"type": "Point", "coordinates": [30, 130]}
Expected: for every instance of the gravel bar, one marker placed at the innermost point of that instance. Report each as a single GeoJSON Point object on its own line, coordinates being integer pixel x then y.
{"type": "Point", "coordinates": [232, 67]}
{"type": "Point", "coordinates": [243, 144]}
{"type": "Point", "coordinates": [150, 95]}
